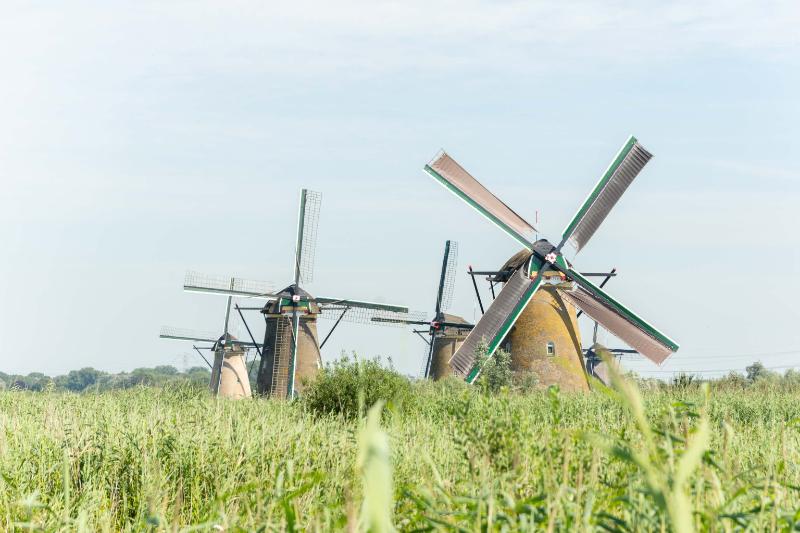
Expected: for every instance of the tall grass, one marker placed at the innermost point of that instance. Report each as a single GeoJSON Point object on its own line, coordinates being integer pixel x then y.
{"type": "Point", "coordinates": [177, 460]}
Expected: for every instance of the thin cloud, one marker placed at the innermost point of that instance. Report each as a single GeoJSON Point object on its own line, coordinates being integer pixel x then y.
{"type": "Point", "coordinates": [358, 38]}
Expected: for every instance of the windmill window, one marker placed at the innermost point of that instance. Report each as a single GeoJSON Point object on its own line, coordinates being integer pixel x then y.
{"type": "Point", "coordinates": [551, 348]}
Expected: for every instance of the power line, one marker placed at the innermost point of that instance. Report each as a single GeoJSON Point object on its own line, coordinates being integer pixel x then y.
{"type": "Point", "coordinates": [755, 356]}
{"type": "Point", "coordinates": [684, 371]}
{"type": "Point", "coordinates": [758, 354]}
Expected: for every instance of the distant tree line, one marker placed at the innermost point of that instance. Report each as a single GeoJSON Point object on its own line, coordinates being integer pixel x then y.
{"type": "Point", "coordinates": [755, 375]}
{"type": "Point", "coordinates": [90, 379]}
{"type": "Point", "coordinates": [496, 375]}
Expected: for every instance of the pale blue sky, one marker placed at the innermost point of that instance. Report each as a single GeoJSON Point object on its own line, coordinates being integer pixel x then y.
{"type": "Point", "coordinates": [140, 139]}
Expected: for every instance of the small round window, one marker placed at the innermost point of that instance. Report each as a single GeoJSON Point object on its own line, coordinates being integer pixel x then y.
{"type": "Point", "coordinates": [551, 348]}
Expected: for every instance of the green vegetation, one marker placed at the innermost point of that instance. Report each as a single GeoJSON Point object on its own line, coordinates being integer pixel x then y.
{"type": "Point", "coordinates": [89, 379]}
{"type": "Point", "coordinates": [346, 387]}
{"type": "Point", "coordinates": [449, 457]}
{"type": "Point", "coordinates": [496, 373]}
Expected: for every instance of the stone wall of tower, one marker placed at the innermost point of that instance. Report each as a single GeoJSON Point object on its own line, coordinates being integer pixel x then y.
{"type": "Point", "coordinates": [444, 346]}
{"type": "Point", "coordinates": [445, 343]}
{"type": "Point", "coordinates": [273, 371]}
{"type": "Point", "coordinates": [308, 355]}
{"type": "Point", "coordinates": [266, 364]}
{"type": "Point", "coordinates": [549, 319]}
{"type": "Point", "coordinates": [233, 382]}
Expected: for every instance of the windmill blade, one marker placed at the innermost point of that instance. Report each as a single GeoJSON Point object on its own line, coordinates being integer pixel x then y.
{"type": "Point", "coordinates": [427, 372]}
{"type": "Point", "coordinates": [362, 304]}
{"type": "Point", "coordinates": [444, 297]}
{"type": "Point", "coordinates": [452, 176]}
{"type": "Point", "coordinates": [227, 317]}
{"type": "Point", "coordinates": [619, 320]}
{"type": "Point", "coordinates": [371, 315]}
{"type": "Point", "coordinates": [495, 324]}
{"type": "Point", "coordinates": [182, 334]}
{"type": "Point", "coordinates": [409, 322]}
{"type": "Point", "coordinates": [627, 164]}
{"type": "Point", "coordinates": [305, 247]}
{"type": "Point", "coordinates": [205, 283]}
{"type": "Point", "coordinates": [404, 321]}
{"type": "Point", "coordinates": [293, 355]}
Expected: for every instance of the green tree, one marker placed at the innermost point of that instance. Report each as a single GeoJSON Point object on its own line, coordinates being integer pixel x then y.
{"type": "Point", "coordinates": [36, 381]}
{"type": "Point", "coordinates": [757, 371]}
{"type": "Point", "coordinates": [166, 370]}
{"type": "Point", "coordinates": [79, 380]}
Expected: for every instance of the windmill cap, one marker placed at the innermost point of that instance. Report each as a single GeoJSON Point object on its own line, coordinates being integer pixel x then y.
{"type": "Point", "coordinates": [224, 340]}
{"type": "Point", "coordinates": [294, 290]}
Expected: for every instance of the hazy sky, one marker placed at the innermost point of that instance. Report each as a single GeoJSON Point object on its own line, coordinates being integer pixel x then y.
{"type": "Point", "coordinates": [141, 139]}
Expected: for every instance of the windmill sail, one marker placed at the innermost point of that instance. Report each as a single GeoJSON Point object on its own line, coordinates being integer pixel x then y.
{"type": "Point", "coordinates": [182, 334]}
{"type": "Point", "coordinates": [366, 315]}
{"type": "Point", "coordinates": [495, 324]}
{"type": "Point", "coordinates": [620, 321]}
{"type": "Point", "coordinates": [362, 304]}
{"type": "Point", "coordinates": [402, 320]}
{"type": "Point", "coordinates": [444, 297]}
{"type": "Point", "coordinates": [199, 282]}
{"type": "Point", "coordinates": [305, 247]}
{"type": "Point", "coordinates": [293, 354]}
{"type": "Point", "coordinates": [219, 359]}
{"type": "Point", "coordinates": [615, 181]}
{"type": "Point", "coordinates": [227, 316]}
{"type": "Point", "coordinates": [446, 171]}
{"type": "Point", "coordinates": [278, 357]}
{"type": "Point", "coordinates": [429, 358]}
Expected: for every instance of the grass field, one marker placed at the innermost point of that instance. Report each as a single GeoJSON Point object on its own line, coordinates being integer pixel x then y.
{"type": "Point", "coordinates": [177, 460]}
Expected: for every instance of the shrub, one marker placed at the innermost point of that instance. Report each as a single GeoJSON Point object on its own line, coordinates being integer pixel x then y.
{"type": "Point", "coordinates": [346, 386]}
{"type": "Point", "coordinates": [496, 372]}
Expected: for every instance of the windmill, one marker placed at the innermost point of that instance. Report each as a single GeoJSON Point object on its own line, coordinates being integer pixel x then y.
{"type": "Point", "coordinates": [446, 332]}
{"type": "Point", "coordinates": [547, 280]}
{"type": "Point", "coordinates": [291, 347]}
{"type": "Point", "coordinates": [229, 376]}
{"type": "Point", "coordinates": [545, 319]}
